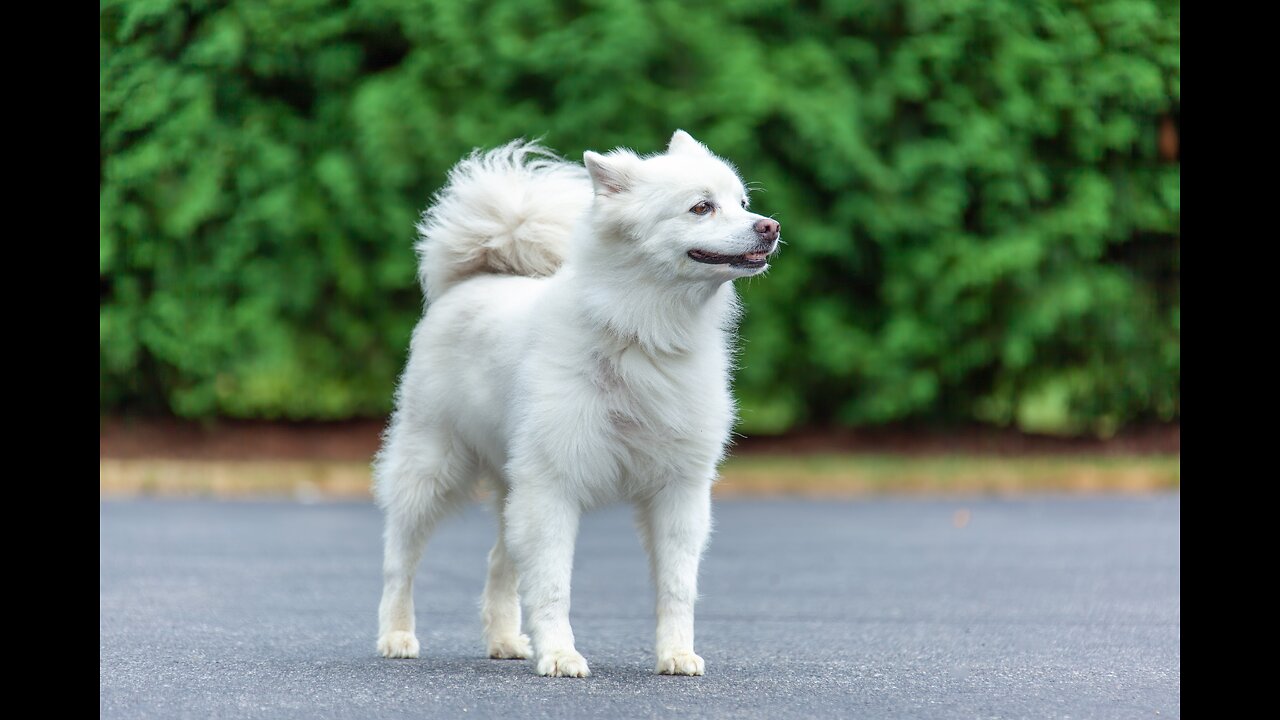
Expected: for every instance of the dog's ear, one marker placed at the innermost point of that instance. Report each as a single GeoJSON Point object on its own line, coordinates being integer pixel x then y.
{"type": "Point", "coordinates": [683, 143]}
{"type": "Point", "coordinates": [610, 174]}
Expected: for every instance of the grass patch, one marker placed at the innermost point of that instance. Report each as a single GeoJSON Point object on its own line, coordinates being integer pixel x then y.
{"type": "Point", "coordinates": [233, 478]}
{"type": "Point", "coordinates": [746, 476]}
{"type": "Point", "coordinates": [856, 475]}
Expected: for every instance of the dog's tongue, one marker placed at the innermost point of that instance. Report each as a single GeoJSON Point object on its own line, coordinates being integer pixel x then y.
{"type": "Point", "coordinates": [755, 256]}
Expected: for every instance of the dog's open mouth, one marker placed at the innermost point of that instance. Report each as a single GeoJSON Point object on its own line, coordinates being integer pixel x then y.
{"type": "Point", "coordinates": [753, 259]}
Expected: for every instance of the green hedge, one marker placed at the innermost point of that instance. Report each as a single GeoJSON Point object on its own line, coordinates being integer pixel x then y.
{"type": "Point", "coordinates": [980, 221]}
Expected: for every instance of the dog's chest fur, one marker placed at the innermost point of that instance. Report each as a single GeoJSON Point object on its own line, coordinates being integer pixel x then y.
{"type": "Point", "coordinates": [678, 402]}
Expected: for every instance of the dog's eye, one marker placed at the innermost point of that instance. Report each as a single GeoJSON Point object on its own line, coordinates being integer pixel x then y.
{"type": "Point", "coordinates": [702, 208]}
{"type": "Point", "coordinates": [744, 203]}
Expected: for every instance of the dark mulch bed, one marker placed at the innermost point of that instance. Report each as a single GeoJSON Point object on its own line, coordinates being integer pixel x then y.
{"type": "Point", "coordinates": [358, 439]}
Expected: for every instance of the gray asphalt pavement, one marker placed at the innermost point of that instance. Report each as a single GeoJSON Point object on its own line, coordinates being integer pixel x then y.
{"type": "Point", "coordinates": [1034, 608]}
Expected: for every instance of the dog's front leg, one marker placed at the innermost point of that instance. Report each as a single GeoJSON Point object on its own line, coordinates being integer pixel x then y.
{"type": "Point", "coordinates": [542, 527]}
{"type": "Point", "coordinates": [674, 525]}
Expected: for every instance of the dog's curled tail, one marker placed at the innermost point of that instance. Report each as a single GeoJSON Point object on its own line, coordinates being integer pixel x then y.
{"type": "Point", "coordinates": [509, 210]}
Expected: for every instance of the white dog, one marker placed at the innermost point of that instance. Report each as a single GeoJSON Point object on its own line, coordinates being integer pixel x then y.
{"type": "Point", "coordinates": [576, 351]}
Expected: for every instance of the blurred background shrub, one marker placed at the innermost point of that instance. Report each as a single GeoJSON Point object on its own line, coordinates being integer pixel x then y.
{"type": "Point", "coordinates": [980, 198]}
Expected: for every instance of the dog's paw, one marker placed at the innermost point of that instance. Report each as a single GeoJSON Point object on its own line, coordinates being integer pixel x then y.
{"type": "Point", "coordinates": [563, 663]}
{"type": "Point", "coordinates": [510, 648]}
{"type": "Point", "coordinates": [682, 662]}
{"type": "Point", "coordinates": [398, 644]}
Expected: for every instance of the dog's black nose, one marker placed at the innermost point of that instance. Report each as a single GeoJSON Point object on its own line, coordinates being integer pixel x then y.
{"type": "Point", "coordinates": [767, 229]}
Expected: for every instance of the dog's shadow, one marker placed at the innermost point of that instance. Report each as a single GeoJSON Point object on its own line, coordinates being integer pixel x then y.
{"type": "Point", "coordinates": [484, 672]}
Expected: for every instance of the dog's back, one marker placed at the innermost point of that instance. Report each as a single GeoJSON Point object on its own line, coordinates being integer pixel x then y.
{"type": "Point", "coordinates": [491, 236]}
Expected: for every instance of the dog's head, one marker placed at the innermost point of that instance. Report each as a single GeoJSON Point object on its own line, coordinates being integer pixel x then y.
{"type": "Point", "coordinates": [683, 213]}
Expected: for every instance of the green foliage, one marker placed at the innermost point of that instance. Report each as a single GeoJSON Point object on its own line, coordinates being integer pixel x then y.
{"type": "Point", "coordinates": [979, 223]}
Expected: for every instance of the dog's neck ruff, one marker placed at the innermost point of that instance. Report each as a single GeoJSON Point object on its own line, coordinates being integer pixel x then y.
{"type": "Point", "coordinates": [659, 318]}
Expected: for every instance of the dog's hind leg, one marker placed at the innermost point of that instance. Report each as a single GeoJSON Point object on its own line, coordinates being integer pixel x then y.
{"type": "Point", "coordinates": [419, 477]}
{"type": "Point", "coordinates": [501, 603]}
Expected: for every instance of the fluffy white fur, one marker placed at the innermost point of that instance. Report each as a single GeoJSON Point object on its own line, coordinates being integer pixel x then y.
{"type": "Point", "coordinates": [576, 354]}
